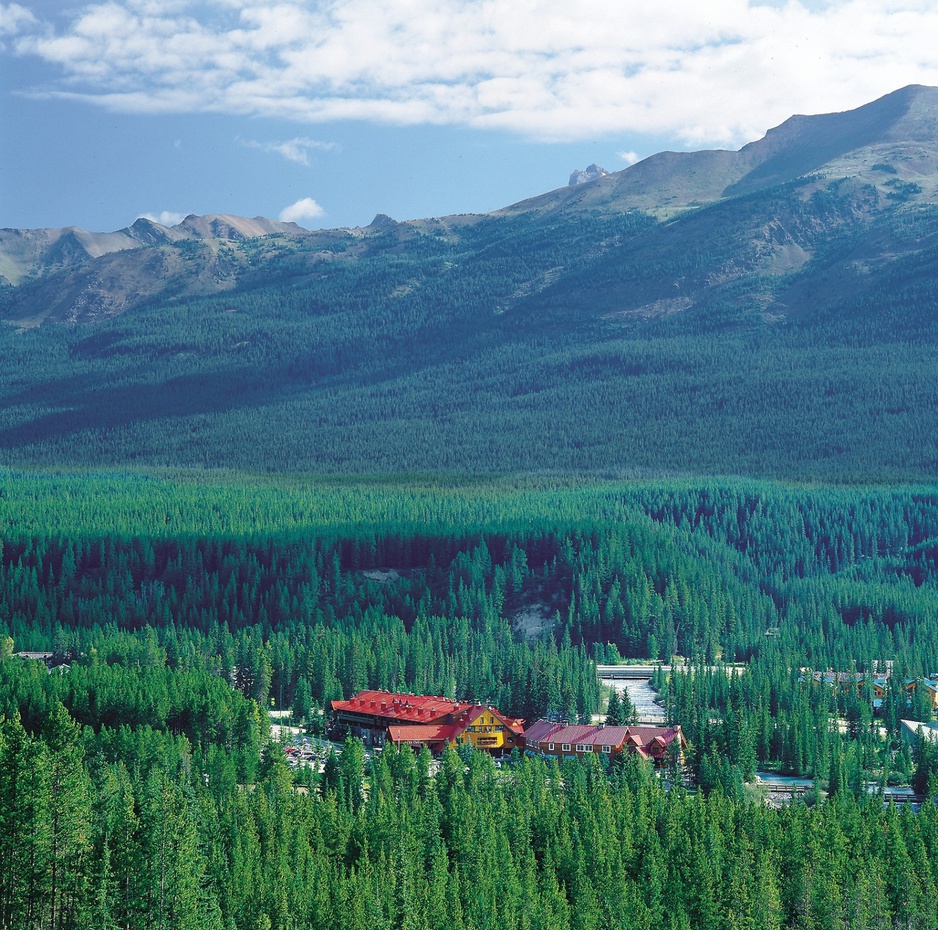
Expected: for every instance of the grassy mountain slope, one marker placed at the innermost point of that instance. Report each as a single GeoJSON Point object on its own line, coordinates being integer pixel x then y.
{"type": "Point", "coordinates": [776, 317]}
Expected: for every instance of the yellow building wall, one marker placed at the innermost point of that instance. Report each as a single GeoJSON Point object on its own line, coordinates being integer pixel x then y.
{"type": "Point", "coordinates": [487, 732]}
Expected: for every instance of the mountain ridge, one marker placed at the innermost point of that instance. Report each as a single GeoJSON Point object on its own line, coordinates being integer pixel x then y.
{"type": "Point", "coordinates": [885, 153]}
{"type": "Point", "coordinates": [670, 182]}
{"type": "Point", "coordinates": [663, 184]}
{"type": "Point", "coordinates": [24, 251]}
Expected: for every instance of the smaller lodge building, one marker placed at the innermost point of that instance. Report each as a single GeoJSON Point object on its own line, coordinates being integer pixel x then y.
{"type": "Point", "coordinates": [378, 717]}
{"type": "Point", "coordinates": [565, 741]}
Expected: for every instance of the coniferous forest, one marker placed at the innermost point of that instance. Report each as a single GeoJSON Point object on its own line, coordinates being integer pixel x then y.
{"type": "Point", "coordinates": [189, 551]}
{"type": "Point", "coordinates": [141, 788]}
{"type": "Point", "coordinates": [513, 345]}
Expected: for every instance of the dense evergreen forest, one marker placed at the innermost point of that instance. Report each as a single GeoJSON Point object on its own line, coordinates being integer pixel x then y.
{"type": "Point", "coordinates": [608, 345]}
{"type": "Point", "coordinates": [140, 789]}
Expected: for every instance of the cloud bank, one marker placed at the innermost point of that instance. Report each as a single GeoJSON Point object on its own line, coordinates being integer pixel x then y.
{"type": "Point", "coordinates": [719, 72]}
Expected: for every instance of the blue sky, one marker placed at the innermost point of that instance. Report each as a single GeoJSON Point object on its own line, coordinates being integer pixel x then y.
{"type": "Point", "coordinates": [330, 111]}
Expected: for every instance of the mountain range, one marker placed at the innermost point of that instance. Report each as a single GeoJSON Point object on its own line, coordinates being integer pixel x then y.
{"type": "Point", "coordinates": [718, 311]}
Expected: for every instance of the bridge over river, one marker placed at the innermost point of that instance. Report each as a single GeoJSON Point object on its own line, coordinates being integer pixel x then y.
{"type": "Point", "coordinates": [635, 679]}
{"type": "Point", "coordinates": [629, 671]}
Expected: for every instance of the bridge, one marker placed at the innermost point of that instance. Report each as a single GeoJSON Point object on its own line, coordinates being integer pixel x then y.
{"type": "Point", "coordinates": [629, 671]}
{"type": "Point", "coordinates": [646, 671]}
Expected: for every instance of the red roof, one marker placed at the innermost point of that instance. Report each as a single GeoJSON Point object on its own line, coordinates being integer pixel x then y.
{"type": "Point", "coordinates": [407, 708]}
{"type": "Point", "coordinates": [541, 730]}
{"type": "Point", "coordinates": [648, 741]}
{"type": "Point", "coordinates": [576, 733]}
{"type": "Point", "coordinates": [663, 735]}
{"type": "Point", "coordinates": [424, 734]}
{"type": "Point", "coordinates": [611, 736]}
{"type": "Point", "coordinates": [420, 710]}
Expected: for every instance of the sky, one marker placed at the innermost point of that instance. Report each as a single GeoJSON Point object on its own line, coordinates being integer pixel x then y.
{"type": "Point", "coordinates": [327, 112]}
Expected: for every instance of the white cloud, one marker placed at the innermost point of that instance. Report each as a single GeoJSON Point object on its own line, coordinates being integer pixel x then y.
{"type": "Point", "coordinates": [305, 209]}
{"type": "Point", "coordinates": [165, 218]}
{"type": "Point", "coordinates": [720, 72]}
{"type": "Point", "coordinates": [629, 157]}
{"type": "Point", "coordinates": [295, 150]}
{"type": "Point", "coordinates": [14, 18]}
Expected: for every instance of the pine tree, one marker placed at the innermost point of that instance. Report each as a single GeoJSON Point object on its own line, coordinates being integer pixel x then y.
{"type": "Point", "coordinates": [173, 864]}
{"type": "Point", "coordinates": [352, 768]}
{"type": "Point", "coordinates": [69, 819]}
{"type": "Point", "coordinates": [629, 713]}
{"type": "Point", "coordinates": [302, 702]}
{"type": "Point", "coordinates": [100, 913]}
{"type": "Point", "coordinates": [24, 827]}
{"type": "Point", "coordinates": [614, 715]}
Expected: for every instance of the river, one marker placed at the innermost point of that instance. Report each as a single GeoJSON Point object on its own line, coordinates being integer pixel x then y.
{"type": "Point", "coordinates": [642, 696]}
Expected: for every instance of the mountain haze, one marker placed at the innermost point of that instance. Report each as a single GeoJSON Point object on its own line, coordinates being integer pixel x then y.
{"type": "Point", "coordinates": [770, 311]}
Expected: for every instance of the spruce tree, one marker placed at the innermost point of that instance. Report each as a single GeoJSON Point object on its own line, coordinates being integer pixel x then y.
{"type": "Point", "coordinates": [69, 819]}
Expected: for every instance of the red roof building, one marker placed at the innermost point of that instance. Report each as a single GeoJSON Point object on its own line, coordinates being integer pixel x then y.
{"type": "Point", "coordinates": [437, 738]}
{"type": "Point", "coordinates": [563, 741]}
{"type": "Point", "coordinates": [421, 720]}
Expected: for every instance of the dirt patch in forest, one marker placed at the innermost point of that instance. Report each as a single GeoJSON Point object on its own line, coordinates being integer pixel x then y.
{"type": "Point", "coordinates": [531, 621]}
{"type": "Point", "coordinates": [382, 575]}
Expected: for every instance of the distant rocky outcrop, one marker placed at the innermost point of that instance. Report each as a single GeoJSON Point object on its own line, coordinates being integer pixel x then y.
{"type": "Point", "coordinates": [76, 276]}
{"type": "Point", "coordinates": [226, 226]}
{"type": "Point", "coordinates": [382, 221]}
{"type": "Point", "coordinates": [592, 173]}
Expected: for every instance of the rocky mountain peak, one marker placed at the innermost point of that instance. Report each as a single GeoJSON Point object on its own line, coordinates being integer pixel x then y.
{"type": "Point", "coordinates": [592, 173]}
